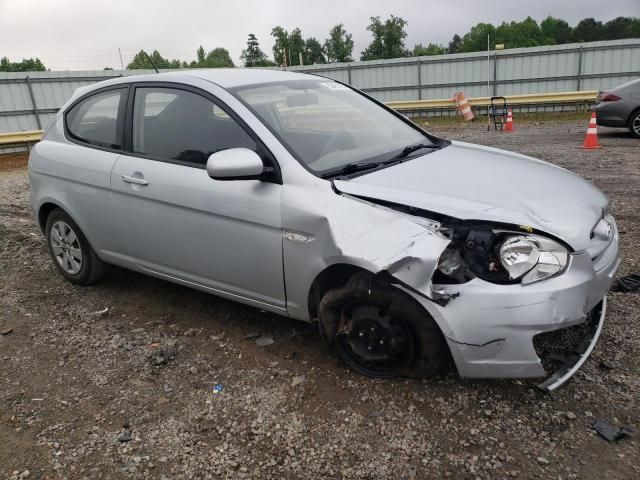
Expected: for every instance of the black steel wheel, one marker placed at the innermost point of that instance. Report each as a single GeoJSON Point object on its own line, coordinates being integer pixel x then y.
{"type": "Point", "coordinates": [380, 331]}
{"type": "Point", "coordinates": [373, 341]}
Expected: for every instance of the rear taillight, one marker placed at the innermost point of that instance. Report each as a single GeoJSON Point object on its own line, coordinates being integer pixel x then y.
{"type": "Point", "coordinates": [608, 97]}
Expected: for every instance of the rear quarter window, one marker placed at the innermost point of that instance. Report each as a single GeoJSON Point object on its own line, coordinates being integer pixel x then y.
{"type": "Point", "coordinates": [95, 119]}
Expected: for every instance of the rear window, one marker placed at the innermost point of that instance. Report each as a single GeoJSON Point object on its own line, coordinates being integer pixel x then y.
{"type": "Point", "coordinates": [94, 120]}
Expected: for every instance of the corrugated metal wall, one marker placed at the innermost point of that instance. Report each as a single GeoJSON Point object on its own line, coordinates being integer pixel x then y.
{"type": "Point", "coordinates": [50, 91]}
{"type": "Point", "coordinates": [561, 68]}
{"type": "Point", "coordinates": [557, 68]}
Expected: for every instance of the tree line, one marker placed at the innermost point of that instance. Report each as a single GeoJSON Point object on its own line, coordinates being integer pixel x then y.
{"type": "Point", "coordinates": [387, 41]}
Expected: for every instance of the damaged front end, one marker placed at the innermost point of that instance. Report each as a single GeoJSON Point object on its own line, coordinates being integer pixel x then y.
{"type": "Point", "coordinates": [490, 287]}
{"type": "Point", "coordinates": [493, 330]}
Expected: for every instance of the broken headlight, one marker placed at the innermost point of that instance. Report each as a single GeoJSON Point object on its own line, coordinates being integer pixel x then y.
{"type": "Point", "coordinates": [532, 258]}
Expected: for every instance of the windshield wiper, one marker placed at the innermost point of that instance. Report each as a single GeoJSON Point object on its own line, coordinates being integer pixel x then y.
{"type": "Point", "coordinates": [352, 168]}
{"type": "Point", "coordinates": [399, 158]}
{"type": "Point", "coordinates": [409, 149]}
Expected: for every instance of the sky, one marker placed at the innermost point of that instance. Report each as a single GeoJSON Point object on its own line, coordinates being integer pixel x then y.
{"type": "Point", "coordinates": [86, 34]}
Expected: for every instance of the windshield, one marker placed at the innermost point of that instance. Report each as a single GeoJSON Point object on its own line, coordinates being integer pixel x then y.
{"type": "Point", "coordinates": [329, 126]}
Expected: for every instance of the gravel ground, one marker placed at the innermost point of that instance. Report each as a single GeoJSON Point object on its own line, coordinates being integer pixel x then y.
{"type": "Point", "coordinates": [118, 379]}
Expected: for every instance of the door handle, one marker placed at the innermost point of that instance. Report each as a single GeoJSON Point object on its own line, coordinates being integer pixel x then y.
{"type": "Point", "coordinates": [136, 180]}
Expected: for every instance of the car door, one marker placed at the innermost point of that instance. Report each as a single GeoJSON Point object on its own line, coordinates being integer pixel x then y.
{"type": "Point", "coordinates": [174, 220]}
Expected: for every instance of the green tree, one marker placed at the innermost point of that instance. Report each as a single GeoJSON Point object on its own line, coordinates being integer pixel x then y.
{"type": "Point", "coordinates": [140, 61]}
{"type": "Point", "coordinates": [253, 56]}
{"type": "Point", "coordinates": [455, 45]}
{"type": "Point", "coordinates": [475, 39]}
{"type": "Point", "coordinates": [218, 58]}
{"type": "Point", "coordinates": [313, 52]}
{"type": "Point", "coordinates": [26, 65]}
{"type": "Point", "coordinates": [296, 46]}
{"type": "Point", "coordinates": [622, 27]}
{"type": "Point", "coordinates": [526, 33]}
{"type": "Point", "coordinates": [339, 45]}
{"type": "Point", "coordinates": [201, 55]}
{"type": "Point", "coordinates": [287, 46]}
{"type": "Point", "coordinates": [432, 49]}
{"type": "Point", "coordinates": [280, 45]}
{"type": "Point", "coordinates": [555, 29]}
{"type": "Point", "coordinates": [588, 30]}
{"type": "Point", "coordinates": [388, 39]}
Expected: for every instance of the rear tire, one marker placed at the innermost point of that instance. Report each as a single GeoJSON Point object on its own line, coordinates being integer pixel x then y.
{"type": "Point", "coordinates": [634, 124]}
{"type": "Point", "coordinates": [70, 251]}
{"type": "Point", "coordinates": [381, 332]}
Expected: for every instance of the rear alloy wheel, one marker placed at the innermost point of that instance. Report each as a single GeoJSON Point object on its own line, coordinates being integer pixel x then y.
{"type": "Point", "coordinates": [379, 331]}
{"type": "Point", "coordinates": [71, 253]}
{"type": "Point", "coordinates": [66, 248]}
{"type": "Point", "coordinates": [634, 124]}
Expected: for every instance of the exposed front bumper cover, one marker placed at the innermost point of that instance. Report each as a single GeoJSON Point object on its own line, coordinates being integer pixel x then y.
{"type": "Point", "coordinates": [581, 353]}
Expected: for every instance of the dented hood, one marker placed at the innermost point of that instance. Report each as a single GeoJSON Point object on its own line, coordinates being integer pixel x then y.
{"type": "Point", "coordinates": [472, 182]}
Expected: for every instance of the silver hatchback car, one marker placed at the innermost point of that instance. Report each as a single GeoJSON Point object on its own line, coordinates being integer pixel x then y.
{"type": "Point", "coordinates": [307, 198]}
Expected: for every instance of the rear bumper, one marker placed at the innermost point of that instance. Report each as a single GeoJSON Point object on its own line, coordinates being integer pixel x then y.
{"type": "Point", "coordinates": [490, 328]}
{"type": "Point", "coordinates": [612, 114]}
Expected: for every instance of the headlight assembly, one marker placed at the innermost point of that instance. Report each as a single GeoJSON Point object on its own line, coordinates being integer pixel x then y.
{"type": "Point", "coordinates": [532, 258]}
{"type": "Point", "coordinates": [500, 256]}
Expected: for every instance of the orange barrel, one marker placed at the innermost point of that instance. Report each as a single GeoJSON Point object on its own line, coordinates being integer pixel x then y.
{"type": "Point", "coordinates": [463, 106]}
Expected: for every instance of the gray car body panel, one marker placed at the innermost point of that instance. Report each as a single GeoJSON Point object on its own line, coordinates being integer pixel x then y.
{"type": "Point", "coordinates": [616, 114]}
{"type": "Point", "coordinates": [307, 224]}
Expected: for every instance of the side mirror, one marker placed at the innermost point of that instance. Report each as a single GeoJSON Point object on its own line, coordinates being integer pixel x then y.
{"type": "Point", "coordinates": [235, 164]}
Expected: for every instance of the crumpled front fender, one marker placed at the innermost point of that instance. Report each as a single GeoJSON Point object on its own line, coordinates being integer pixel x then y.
{"type": "Point", "coordinates": [339, 229]}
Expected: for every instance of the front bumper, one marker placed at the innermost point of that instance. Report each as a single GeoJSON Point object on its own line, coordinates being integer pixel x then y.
{"type": "Point", "coordinates": [579, 352]}
{"type": "Point", "coordinates": [490, 328]}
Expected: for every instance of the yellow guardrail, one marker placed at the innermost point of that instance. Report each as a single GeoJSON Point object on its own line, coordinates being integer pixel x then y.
{"type": "Point", "coordinates": [529, 99]}
{"type": "Point", "coordinates": [20, 138]}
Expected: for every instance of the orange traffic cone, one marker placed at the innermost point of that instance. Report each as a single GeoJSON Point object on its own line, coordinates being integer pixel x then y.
{"type": "Point", "coordinates": [509, 127]}
{"type": "Point", "coordinates": [591, 140]}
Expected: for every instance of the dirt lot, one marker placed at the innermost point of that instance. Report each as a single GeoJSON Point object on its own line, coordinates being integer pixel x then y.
{"type": "Point", "coordinates": [130, 392]}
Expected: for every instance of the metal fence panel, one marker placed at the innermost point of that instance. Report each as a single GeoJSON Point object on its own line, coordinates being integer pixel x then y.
{"type": "Point", "coordinates": [559, 68]}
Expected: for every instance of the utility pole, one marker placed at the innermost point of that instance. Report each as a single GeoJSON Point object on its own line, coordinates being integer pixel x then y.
{"type": "Point", "coordinates": [120, 54]}
{"type": "Point", "coordinates": [300, 57]}
{"type": "Point", "coordinates": [488, 67]}
{"type": "Point", "coordinates": [488, 81]}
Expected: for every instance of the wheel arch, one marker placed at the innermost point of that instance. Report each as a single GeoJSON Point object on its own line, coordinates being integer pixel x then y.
{"type": "Point", "coordinates": [44, 211]}
{"type": "Point", "coordinates": [333, 276]}
{"type": "Point", "coordinates": [48, 206]}
{"type": "Point", "coordinates": [633, 113]}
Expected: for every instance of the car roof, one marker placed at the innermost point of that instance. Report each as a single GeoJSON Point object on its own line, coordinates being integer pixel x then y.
{"type": "Point", "coordinates": [224, 77]}
{"type": "Point", "coordinates": [235, 77]}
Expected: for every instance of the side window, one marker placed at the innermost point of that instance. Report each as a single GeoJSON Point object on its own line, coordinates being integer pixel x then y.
{"type": "Point", "coordinates": [173, 124]}
{"type": "Point", "coordinates": [95, 119]}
